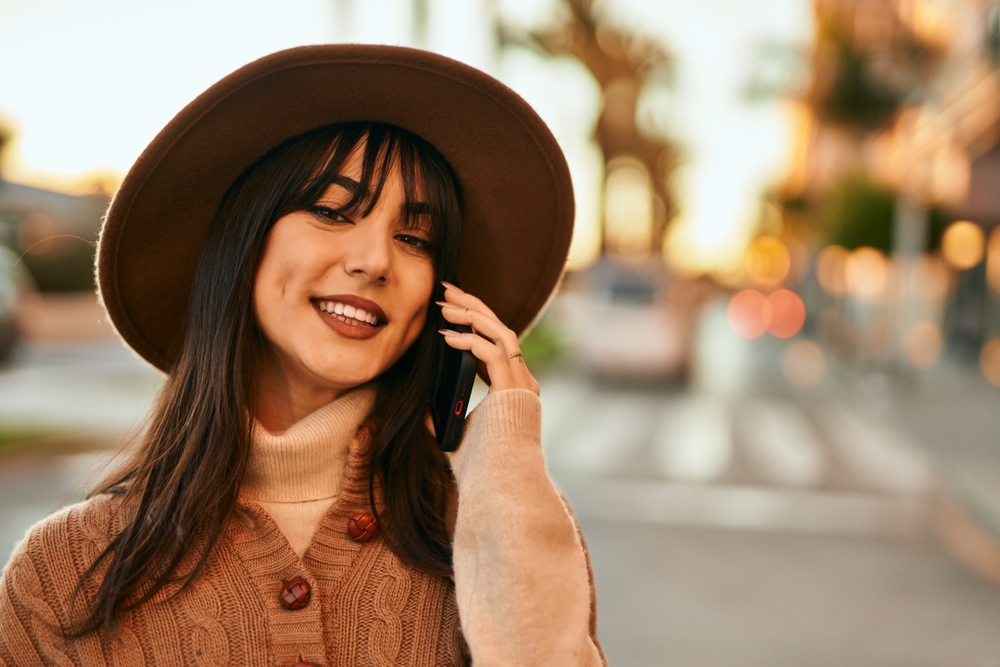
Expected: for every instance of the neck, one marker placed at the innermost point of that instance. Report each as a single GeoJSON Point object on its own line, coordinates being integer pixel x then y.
{"type": "Point", "coordinates": [284, 399]}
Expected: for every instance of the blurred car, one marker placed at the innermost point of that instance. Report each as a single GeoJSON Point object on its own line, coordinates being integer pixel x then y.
{"type": "Point", "coordinates": [625, 321]}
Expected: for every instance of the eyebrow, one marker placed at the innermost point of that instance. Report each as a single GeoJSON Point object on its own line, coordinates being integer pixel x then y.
{"type": "Point", "coordinates": [413, 208]}
{"type": "Point", "coordinates": [346, 182]}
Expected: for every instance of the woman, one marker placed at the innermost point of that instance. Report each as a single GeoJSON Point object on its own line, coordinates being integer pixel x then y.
{"type": "Point", "coordinates": [286, 251]}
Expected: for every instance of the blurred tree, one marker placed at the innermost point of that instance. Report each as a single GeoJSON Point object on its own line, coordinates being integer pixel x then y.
{"type": "Point", "coordinates": [623, 62]}
{"type": "Point", "coordinates": [866, 63]}
{"type": "Point", "coordinates": [859, 213]}
{"type": "Point", "coordinates": [869, 61]}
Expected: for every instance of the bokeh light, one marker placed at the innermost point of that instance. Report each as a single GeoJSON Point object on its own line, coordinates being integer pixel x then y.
{"type": "Point", "coordinates": [962, 245]}
{"type": "Point", "coordinates": [768, 260]}
{"type": "Point", "coordinates": [788, 313]}
{"type": "Point", "coordinates": [749, 313]}
{"type": "Point", "coordinates": [932, 21]}
{"type": "Point", "coordinates": [867, 274]}
{"type": "Point", "coordinates": [989, 361]}
{"type": "Point", "coordinates": [993, 260]}
{"type": "Point", "coordinates": [922, 344]}
{"type": "Point", "coordinates": [830, 270]}
{"type": "Point", "coordinates": [803, 364]}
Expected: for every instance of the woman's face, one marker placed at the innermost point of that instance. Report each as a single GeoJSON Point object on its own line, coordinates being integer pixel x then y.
{"type": "Point", "coordinates": [342, 297]}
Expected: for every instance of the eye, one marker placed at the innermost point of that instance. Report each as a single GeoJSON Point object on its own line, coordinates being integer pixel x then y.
{"type": "Point", "coordinates": [415, 241]}
{"type": "Point", "coordinates": [328, 214]}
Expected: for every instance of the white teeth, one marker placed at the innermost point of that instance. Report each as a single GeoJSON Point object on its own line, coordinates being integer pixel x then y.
{"type": "Point", "coordinates": [348, 313]}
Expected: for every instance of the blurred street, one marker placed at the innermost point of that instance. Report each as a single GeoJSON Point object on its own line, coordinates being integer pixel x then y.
{"type": "Point", "coordinates": [736, 525]}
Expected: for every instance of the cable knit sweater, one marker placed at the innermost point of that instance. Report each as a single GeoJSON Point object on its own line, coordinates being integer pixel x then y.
{"type": "Point", "coordinates": [521, 593]}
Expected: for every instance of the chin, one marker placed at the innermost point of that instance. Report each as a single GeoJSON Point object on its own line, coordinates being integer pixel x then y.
{"type": "Point", "coordinates": [341, 377]}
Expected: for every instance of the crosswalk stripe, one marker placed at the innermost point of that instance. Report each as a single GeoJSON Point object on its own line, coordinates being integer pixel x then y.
{"type": "Point", "coordinates": [693, 439]}
{"type": "Point", "coordinates": [781, 444]}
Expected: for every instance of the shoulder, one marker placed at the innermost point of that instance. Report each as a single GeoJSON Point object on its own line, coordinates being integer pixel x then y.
{"type": "Point", "coordinates": [92, 522]}
{"type": "Point", "coordinates": [54, 552]}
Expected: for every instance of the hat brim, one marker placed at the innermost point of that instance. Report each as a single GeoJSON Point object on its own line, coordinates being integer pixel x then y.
{"type": "Point", "coordinates": [517, 193]}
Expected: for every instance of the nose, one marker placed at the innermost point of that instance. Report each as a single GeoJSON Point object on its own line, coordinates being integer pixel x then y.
{"type": "Point", "coordinates": [370, 254]}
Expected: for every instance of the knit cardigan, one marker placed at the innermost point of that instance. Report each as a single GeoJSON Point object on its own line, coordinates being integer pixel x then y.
{"type": "Point", "coordinates": [522, 592]}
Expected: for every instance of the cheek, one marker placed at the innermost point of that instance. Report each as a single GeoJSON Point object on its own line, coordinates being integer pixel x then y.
{"type": "Point", "coordinates": [419, 296]}
{"type": "Point", "coordinates": [281, 268]}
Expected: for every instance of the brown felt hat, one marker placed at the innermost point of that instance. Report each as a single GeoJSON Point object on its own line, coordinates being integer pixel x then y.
{"type": "Point", "coordinates": [517, 194]}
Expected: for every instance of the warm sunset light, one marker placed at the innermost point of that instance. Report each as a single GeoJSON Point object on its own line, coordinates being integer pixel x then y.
{"type": "Point", "coordinates": [628, 207]}
{"type": "Point", "coordinates": [788, 313]}
{"type": "Point", "coordinates": [962, 245]}
{"type": "Point", "coordinates": [867, 274]}
{"type": "Point", "coordinates": [767, 261]}
{"type": "Point", "coordinates": [830, 270]}
{"type": "Point", "coordinates": [932, 21]}
{"type": "Point", "coordinates": [782, 313]}
{"type": "Point", "coordinates": [749, 313]}
{"type": "Point", "coordinates": [993, 260]}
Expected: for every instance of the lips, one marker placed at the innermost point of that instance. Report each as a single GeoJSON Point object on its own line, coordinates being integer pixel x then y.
{"type": "Point", "coordinates": [350, 315]}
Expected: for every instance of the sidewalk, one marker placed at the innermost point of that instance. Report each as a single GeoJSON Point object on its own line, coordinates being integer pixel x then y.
{"type": "Point", "coordinates": [92, 390]}
{"type": "Point", "coordinates": [955, 415]}
{"type": "Point", "coordinates": [949, 414]}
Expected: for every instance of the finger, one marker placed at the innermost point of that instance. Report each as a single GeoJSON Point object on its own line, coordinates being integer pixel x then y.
{"type": "Point", "coordinates": [457, 297]}
{"type": "Point", "coordinates": [494, 358]}
{"type": "Point", "coordinates": [511, 370]}
{"type": "Point", "coordinates": [483, 324]}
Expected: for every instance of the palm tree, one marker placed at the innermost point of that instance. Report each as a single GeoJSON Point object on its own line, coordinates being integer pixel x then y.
{"type": "Point", "coordinates": [622, 62]}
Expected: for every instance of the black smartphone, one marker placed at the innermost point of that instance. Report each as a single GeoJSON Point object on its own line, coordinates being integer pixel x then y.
{"type": "Point", "coordinates": [451, 395]}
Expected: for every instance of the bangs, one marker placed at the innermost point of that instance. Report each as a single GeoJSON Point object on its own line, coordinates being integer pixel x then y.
{"type": "Point", "coordinates": [386, 147]}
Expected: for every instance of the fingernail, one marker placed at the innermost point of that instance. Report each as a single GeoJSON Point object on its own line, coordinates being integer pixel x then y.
{"type": "Point", "coordinates": [450, 286]}
{"type": "Point", "coordinates": [442, 303]}
{"type": "Point", "coordinates": [446, 331]}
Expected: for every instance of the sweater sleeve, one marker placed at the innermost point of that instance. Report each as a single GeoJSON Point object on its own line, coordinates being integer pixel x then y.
{"type": "Point", "coordinates": [521, 571]}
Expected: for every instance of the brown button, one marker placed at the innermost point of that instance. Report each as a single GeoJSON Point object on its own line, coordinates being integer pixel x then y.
{"type": "Point", "coordinates": [295, 593]}
{"type": "Point", "coordinates": [362, 526]}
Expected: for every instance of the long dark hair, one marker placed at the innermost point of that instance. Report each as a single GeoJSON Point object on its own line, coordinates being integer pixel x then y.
{"type": "Point", "coordinates": [184, 478]}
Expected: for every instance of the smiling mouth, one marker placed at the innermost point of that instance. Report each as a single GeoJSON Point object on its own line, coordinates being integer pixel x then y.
{"type": "Point", "coordinates": [348, 314]}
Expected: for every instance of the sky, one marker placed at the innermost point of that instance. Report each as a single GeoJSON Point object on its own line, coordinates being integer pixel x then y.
{"type": "Point", "coordinates": [86, 84]}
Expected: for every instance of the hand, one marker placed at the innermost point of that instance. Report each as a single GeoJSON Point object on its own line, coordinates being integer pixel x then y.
{"type": "Point", "coordinates": [491, 341]}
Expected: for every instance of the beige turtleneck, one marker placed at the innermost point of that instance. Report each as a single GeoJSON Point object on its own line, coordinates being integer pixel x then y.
{"type": "Point", "coordinates": [521, 577]}
{"type": "Point", "coordinates": [295, 475]}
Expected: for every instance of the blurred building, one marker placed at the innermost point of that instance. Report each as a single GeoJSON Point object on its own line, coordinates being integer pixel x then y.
{"type": "Point", "coordinates": [897, 143]}
{"type": "Point", "coordinates": [53, 233]}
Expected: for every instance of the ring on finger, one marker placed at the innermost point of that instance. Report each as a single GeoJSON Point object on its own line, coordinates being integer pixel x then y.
{"type": "Point", "coordinates": [517, 355]}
